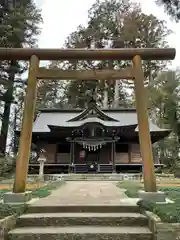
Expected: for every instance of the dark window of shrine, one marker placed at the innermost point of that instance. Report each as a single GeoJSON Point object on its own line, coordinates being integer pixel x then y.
{"type": "Point", "coordinates": [86, 132]}
{"type": "Point", "coordinates": [63, 148]}
{"type": "Point", "coordinates": [122, 148]}
{"type": "Point", "coordinates": [93, 131]}
{"type": "Point", "coordinates": [98, 132]}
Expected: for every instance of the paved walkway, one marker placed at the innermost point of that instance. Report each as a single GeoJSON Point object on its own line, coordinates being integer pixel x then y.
{"type": "Point", "coordinates": [79, 192]}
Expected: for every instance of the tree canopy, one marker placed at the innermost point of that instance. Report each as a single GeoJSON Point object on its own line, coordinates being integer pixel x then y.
{"type": "Point", "coordinates": [171, 7]}
{"type": "Point", "coordinates": [115, 24]}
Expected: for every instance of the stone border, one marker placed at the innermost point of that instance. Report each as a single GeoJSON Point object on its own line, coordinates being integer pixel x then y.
{"type": "Point", "coordinates": [17, 198]}
{"type": "Point", "coordinates": [100, 177]}
{"type": "Point", "coordinates": [157, 197]}
{"type": "Point", "coordinates": [162, 230]}
{"type": "Point", "coordinates": [164, 175]}
{"type": "Point", "coordinates": [7, 224]}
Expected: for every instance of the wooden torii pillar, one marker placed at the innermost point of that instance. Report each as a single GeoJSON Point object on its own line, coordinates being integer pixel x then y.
{"type": "Point", "coordinates": [26, 128]}
{"type": "Point", "coordinates": [143, 125]}
{"type": "Point", "coordinates": [35, 73]}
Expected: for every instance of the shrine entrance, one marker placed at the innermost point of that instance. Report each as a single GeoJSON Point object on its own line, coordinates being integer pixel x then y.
{"type": "Point", "coordinates": [92, 157]}
{"type": "Point", "coordinates": [91, 160]}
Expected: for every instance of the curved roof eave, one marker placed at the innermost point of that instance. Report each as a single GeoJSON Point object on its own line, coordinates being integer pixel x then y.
{"type": "Point", "coordinates": [91, 121]}
{"type": "Point", "coordinates": [92, 106]}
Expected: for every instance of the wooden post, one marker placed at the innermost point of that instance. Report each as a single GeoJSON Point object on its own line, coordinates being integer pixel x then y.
{"type": "Point", "coordinates": [73, 152]}
{"type": "Point", "coordinates": [113, 156]}
{"type": "Point", "coordinates": [73, 156]}
{"type": "Point", "coordinates": [70, 157]}
{"type": "Point", "coordinates": [129, 152]}
{"type": "Point", "coordinates": [27, 124]}
{"type": "Point", "coordinates": [143, 124]}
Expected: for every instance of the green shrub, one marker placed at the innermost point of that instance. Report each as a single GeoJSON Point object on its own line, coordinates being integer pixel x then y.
{"type": "Point", "coordinates": [146, 205]}
{"type": "Point", "coordinates": [132, 192]}
{"type": "Point", "coordinates": [46, 190]}
{"type": "Point", "coordinates": [8, 210]}
{"type": "Point", "coordinates": [7, 165]}
{"type": "Point", "coordinates": [2, 191]}
{"type": "Point", "coordinates": [158, 170]}
{"type": "Point", "coordinates": [177, 172]}
{"type": "Point", "coordinates": [131, 187]}
{"type": "Point", "coordinates": [167, 212]}
{"type": "Point", "coordinates": [40, 193]}
{"type": "Point", "coordinates": [171, 192]}
{"type": "Point", "coordinates": [170, 189]}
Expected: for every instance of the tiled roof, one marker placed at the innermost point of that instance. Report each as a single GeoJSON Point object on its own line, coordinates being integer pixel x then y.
{"type": "Point", "coordinates": [124, 117]}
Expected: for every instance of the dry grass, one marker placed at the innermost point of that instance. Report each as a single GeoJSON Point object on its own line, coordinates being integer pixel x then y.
{"type": "Point", "coordinates": [29, 186]}
{"type": "Point", "coordinates": [168, 185]}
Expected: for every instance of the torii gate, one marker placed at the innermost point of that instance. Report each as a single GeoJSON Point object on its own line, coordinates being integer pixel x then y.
{"type": "Point", "coordinates": [135, 73]}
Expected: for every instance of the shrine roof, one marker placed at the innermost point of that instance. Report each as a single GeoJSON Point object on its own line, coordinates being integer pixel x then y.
{"type": "Point", "coordinates": [72, 118]}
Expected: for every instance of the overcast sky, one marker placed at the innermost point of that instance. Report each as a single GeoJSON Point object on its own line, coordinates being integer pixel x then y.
{"type": "Point", "coordinates": [62, 17]}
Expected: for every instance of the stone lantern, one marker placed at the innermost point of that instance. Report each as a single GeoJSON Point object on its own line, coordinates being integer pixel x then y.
{"type": "Point", "coordinates": [41, 160]}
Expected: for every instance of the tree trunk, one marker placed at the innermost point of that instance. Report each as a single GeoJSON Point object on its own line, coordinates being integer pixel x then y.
{"type": "Point", "coordinates": [14, 132]}
{"type": "Point", "coordinates": [116, 94]}
{"type": "Point", "coordinates": [7, 107]}
{"type": "Point", "coordinates": [5, 121]}
{"type": "Point", "coordinates": [105, 100]}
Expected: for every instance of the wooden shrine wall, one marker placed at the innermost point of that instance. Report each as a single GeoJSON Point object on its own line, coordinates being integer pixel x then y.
{"type": "Point", "coordinates": [135, 154]}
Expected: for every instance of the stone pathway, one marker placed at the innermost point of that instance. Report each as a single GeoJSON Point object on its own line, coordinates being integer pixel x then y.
{"type": "Point", "coordinates": [82, 193]}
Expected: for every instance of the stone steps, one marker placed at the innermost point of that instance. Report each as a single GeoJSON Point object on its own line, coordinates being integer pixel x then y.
{"type": "Point", "coordinates": [90, 222]}
{"type": "Point", "coordinates": [123, 208]}
{"type": "Point", "coordinates": [77, 219]}
{"type": "Point", "coordinates": [81, 233]}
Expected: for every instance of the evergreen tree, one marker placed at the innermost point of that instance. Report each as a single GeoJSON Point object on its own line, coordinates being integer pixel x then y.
{"type": "Point", "coordinates": [118, 25]}
{"type": "Point", "coordinates": [171, 7]}
{"type": "Point", "coordinates": [164, 109]}
{"type": "Point", "coordinates": [114, 24]}
{"type": "Point", "coordinates": [19, 28]}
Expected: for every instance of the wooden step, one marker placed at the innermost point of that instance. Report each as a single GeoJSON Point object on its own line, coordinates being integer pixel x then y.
{"type": "Point", "coordinates": [81, 233]}
{"type": "Point", "coordinates": [69, 219]}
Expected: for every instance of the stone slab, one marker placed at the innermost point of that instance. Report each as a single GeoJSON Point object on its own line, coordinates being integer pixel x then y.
{"type": "Point", "coordinates": [152, 196]}
{"type": "Point", "coordinates": [81, 233]}
{"type": "Point", "coordinates": [84, 193]}
{"type": "Point", "coordinates": [109, 208]}
{"type": "Point", "coordinates": [15, 198]}
{"type": "Point", "coordinates": [81, 219]}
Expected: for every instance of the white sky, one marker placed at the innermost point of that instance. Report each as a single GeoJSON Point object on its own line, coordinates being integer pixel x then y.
{"type": "Point", "coordinates": [62, 17]}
